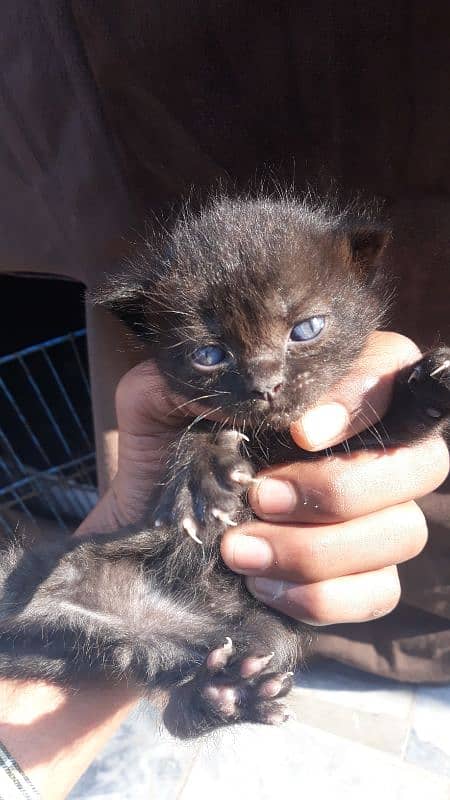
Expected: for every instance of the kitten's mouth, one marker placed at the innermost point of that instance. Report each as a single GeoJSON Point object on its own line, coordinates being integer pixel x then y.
{"type": "Point", "coordinates": [274, 414]}
{"type": "Point", "coordinates": [256, 412]}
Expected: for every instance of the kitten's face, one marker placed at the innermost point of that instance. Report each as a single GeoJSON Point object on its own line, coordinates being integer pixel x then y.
{"type": "Point", "coordinates": [258, 309]}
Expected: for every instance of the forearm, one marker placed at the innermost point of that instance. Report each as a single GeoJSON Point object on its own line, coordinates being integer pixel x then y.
{"type": "Point", "coordinates": [54, 735]}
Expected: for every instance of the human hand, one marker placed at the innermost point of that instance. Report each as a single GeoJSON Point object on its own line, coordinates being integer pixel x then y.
{"type": "Point", "coordinates": [331, 532]}
{"type": "Point", "coordinates": [148, 421]}
{"type": "Point", "coordinates": [337, 563]}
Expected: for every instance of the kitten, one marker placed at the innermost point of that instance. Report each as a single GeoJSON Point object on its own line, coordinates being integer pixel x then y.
{"type": "Point", "coordinates": [255, 308]}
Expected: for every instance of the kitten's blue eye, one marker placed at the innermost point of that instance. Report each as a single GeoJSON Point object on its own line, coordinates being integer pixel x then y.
{"type": "Point", "coordinates": [209, 356]}
{"type": "Point", "coordinates": [307, 329]}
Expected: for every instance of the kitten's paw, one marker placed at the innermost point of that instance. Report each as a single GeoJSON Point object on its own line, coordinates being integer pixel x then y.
{"type": "Point", "coordinates": [429, 382]}
{"type": "Point", "coordinates": [229, 689]}
{"type": "Point", "coordinates": [205, 497]}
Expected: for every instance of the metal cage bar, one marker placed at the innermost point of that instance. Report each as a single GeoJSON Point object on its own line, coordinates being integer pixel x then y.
{"type": "Point", "coordinates": [47, 456]}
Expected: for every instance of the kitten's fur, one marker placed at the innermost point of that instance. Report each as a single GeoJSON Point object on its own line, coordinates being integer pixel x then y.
{"type": "Point", "coordinates": [151, 603]}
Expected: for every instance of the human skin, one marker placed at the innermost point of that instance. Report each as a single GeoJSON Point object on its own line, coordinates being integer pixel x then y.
{"type": "Point", "coordinates": [336, 563]}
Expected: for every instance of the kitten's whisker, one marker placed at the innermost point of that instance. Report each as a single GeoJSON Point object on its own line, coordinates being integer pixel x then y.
{"type": "Point", "coordinates": [358, 436]}
{"type": "Point", "coordinates": [173, 346]}
{"type": "Point", "coordinates": [372, 429]}
{"type": "Point", "coordinates": [194, 400]}
{"type": "Point", "coordinates": [178, 380]}
{"type": "Point", "coordinates": [203, 416]}
{"type": "Point", "coordinates": [346, 446]}
{"type": "Point", "coordinates": [263, 449]}
{"type": "Point", "coordinates": [281, 441]}
{"type": "Point", "coordinates": [379, 419]}
{"type": "Point", "coordinates": [190, 385]}
{"type": "Point", "coordinates": [221, 424]}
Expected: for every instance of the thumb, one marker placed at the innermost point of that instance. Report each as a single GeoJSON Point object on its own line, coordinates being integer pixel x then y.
{"type": "Point", "coordinates": [148, 424]}
{"type": "Point", "coordinates": [362, 398]}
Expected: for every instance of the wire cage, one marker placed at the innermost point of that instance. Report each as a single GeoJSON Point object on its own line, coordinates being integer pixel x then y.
{"type": "Point", "coordinates": [47, 453]}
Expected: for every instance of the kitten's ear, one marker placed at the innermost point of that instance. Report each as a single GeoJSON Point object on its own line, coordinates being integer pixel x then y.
{"type": "Point", "coordinates": [125, 298]}
{"type": "Point", "coordinates": [365, 244]}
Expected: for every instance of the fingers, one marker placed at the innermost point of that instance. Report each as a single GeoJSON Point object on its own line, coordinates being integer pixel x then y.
{"type": "Point", "coordinates": [355, 598]}
{"type": "Point", "coordinates": [347, 487]}
{"type": "Point", "coordinates": [332, 531]}
{"type": "Point", "coordinates": [315, 553]}
{"type": "Point", "coordinates": [361, 398]}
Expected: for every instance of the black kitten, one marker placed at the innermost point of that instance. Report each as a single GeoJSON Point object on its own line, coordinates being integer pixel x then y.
{"type": "Point", "coordinates": [255, 309]}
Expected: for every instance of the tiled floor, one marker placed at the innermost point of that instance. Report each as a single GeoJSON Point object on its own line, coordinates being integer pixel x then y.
{"type": "Point", "coordinates": [357, 736]}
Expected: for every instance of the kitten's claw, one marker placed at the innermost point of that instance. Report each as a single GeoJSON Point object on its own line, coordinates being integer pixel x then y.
{"type": "Point", "coordinates": [218, 658]}
{"type": "Point", "coordinates": [275, 685]}
{"type": "Point", "coordinates": [254, 665]}
{"type": "Point", "coordinates": [243, 478]}
{"type": "Point", "coordinates": [191, 529]}
{"type": "Point", "coordinates": [220, 515]}
{"type": "Point", "coordinates": [236, 434]}
{"type": "Point", "coordinates": [444, 365]}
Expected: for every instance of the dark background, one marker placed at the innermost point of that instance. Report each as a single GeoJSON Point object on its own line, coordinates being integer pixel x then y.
{"type": "Point", "coordinates": [35, 309]}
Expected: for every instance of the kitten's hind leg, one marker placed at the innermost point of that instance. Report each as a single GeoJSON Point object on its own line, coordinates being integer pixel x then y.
{"type": "Point", "coordinates": [241, 680]}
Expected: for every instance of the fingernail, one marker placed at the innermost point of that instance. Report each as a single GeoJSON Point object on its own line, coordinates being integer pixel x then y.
{"type": "Point", "coordinates": [324, 424]}
{"type": "Point", "coordinates": [266, 589]}
{"type": "Point", "coordinates": [275, 497]}
{"type": "Point", "coordinates": [250, 553]}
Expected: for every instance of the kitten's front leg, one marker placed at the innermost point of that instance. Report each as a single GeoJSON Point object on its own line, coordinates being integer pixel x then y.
{"type": "Point", "coordinates": [420, 405]}
{"type": "Point", "coordinates": [207, 477]}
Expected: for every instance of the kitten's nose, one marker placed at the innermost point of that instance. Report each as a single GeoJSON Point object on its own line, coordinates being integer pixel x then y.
{"type": "Point", "coordinates": [266, 391]}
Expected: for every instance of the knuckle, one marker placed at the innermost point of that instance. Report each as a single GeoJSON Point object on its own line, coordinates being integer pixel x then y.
{"type": "Point", "coordinates": [126, 391]}
{"type": "Point", "coordinates": [337, 495]}
{"type": "Point", "coordinates": [122, 390]}
{"type": "Point", "coordinates": [330, 493]}
{"type": "Point", "coordinates": [317, 554]}
{"type": "Point", "coordinates": [317, 604]}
